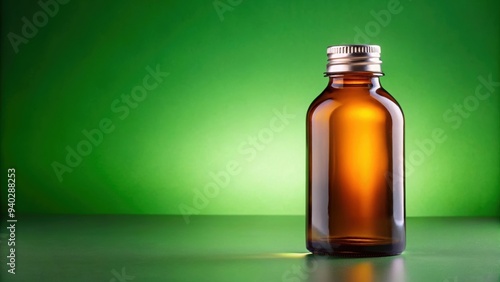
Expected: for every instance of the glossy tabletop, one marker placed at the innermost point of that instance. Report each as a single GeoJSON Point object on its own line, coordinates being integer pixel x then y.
{"type": "Point", "coordinates": [237, 248]}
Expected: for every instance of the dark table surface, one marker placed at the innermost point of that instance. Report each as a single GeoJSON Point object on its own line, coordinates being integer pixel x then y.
{"type": "Point", "coordinates": [237, 248]}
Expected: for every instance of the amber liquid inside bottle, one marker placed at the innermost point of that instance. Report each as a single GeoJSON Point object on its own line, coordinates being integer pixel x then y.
{"type": "Point", "coordinates": [355, 171]}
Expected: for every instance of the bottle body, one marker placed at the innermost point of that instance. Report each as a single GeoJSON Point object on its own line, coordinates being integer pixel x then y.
{"type": "Point", "coordinates": [355, 169]}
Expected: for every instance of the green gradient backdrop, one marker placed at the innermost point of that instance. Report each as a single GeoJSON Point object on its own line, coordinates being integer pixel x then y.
{"type": "Point", "coordinates": [229, 73]}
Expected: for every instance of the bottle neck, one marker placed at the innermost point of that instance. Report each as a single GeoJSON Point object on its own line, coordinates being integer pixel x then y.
{"type": "Point", "coordinates": [364, 80]}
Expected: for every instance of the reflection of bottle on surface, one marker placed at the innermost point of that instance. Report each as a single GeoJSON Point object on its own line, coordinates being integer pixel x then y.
{"type": "Point", "coordinates": [320, 269]}
{"type": "Point", "coordinates": [355, 158]}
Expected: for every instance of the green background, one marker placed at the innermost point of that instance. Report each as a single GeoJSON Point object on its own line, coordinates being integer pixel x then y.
{"type": "Point", "coordinates": [231, 65]}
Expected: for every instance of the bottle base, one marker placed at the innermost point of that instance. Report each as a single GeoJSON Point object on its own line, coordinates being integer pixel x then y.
{"type": "Point", "coordinates": [355, 247]}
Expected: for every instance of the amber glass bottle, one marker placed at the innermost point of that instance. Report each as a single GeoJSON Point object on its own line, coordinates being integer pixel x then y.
{"type": "Point", "coordinates": [355, 160]}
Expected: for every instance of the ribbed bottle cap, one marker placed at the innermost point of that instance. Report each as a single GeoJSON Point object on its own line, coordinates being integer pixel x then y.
{"type": "Point", "coordinates": [353, 58]}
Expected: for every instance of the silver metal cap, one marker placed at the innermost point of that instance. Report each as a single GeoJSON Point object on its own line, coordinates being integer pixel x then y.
{"type": "Point", "coordinates": [353, 58]}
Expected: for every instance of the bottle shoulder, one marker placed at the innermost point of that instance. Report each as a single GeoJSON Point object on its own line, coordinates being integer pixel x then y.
{"type": "Point", "coordinates": [342, 100]}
